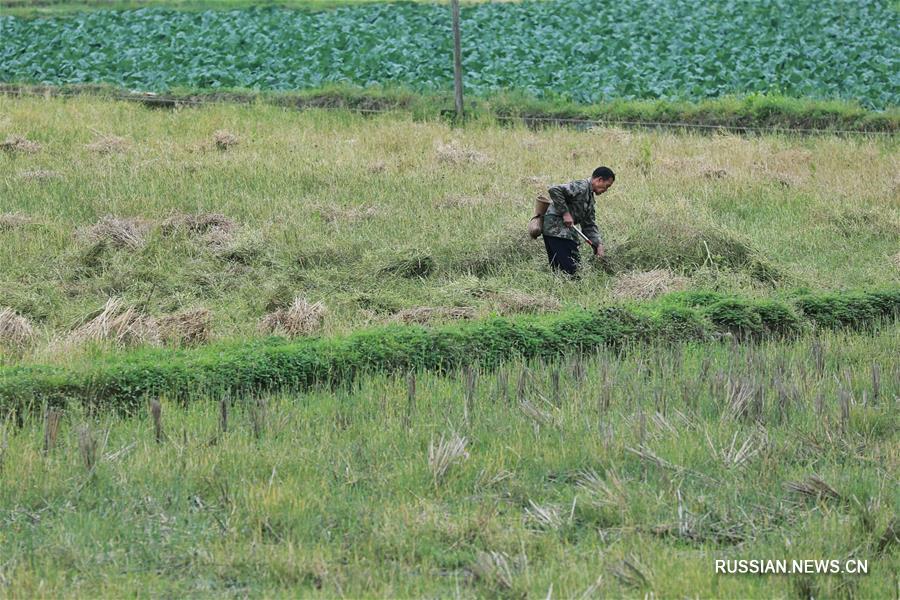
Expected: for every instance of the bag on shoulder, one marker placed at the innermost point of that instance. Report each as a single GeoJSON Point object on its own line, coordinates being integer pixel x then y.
{"type": "Point", "coordinates": [536, 224]}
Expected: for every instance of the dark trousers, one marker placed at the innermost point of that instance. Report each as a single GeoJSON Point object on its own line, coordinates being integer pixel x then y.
{"type": "Point", "coordinates": [562, 254]}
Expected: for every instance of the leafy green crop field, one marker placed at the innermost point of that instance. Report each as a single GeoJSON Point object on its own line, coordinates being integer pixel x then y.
{"type": "Point", "coordinates": [571, 49]}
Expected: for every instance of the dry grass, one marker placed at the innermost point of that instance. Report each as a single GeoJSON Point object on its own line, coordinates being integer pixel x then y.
{"type": "Point", "coordinates": [644, 285]}
{"type": "Point", "coordinates": [349, 215]}
{"type": "Point", "coordinates": [39, 175]}
{"type": "Point", "coordinates": [9, 221]}
{"type": "Point", "coordinates": [16, 331]}
{"type": "Point", "coordinates": [299, 319]}
{"type": "Point", "coordinates": [188, 328]}
{"type": "Point", "coordinates": [514, 301]}
{"type": "Point", "coordinates": [125, 234]}
{"type": "Point", "coordinates": [108, 144]}
{"type": "Point", "coordinates": [16, 144]}
{"type": "Point", "coordinates": [224, 139]}
{"type": "Point", "coordinates": [539, 183]}
{"type": "Point", "coordinates": [609, 491]}
{"type": "Point", "coordinates": [813, 487]}
{"type": "Point", "coordinates": [198, 223]}
{"type": "Point", "coordinates": [455, 153]}
{"type": "Point", "coordinates": [544, 517]}
{"type": "Point", "coordinates": [443, 454]}
{"type": "Point", "coordinates": [894, 259]}
{"type": "Point", "coordinates": [426, 314]}
{"type": "Point", "coordinates": [120, 324]}
{"type": "Point", "coordinates": [495, 569]}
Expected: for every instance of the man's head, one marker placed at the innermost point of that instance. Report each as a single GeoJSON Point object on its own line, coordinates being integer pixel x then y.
{"type": "Point", "coordinates": [601, 179]}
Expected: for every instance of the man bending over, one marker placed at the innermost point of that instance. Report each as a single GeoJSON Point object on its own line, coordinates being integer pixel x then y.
{"type": "Point", "coordinates": [573, 204]}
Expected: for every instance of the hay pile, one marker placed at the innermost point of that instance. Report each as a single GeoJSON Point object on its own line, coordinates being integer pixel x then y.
{"type": "Point", "coordinates": [125, 234]}
{"type": "Point", "coordinates": [188, 328]}
{"type": "Point", "coordinates": [224, 139]}
{"type": "Point", "coordinates": [16, 144]}
{"type": "Point", "coordinates": [9, 221]}
{"type": "Point", "coordinates": [216, 230]}
{"type": "Point", "coordinates": [120, 324]}
{"type": "Point", "coordinates": [456, 154]}
{"type": "Point", "coordinates": [16, 332]}
{"type": "Point", "coordinates": [198, 223]}
{"type": "Point", "coordinates": [425, 314]}
{"type": "Point", "coordinates": [644, 285]}
{"type": "Point", "coordinates": [685, 241]}
{"type": "Point", "coordinates": [108, 144]}
{"type": "Point", "coordinates": [300, 318]}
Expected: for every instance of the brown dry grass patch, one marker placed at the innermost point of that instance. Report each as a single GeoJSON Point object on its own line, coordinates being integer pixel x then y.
{"type": "Point", "coordinates": [107, 144]}
{"type": "Point", "coordinates": [300, 318]}
{"type": "Point", "coordinates": [349, 215]}
{"type": "Point", "coordinates": [198, 223]}
{"type": "Point", "coordinates": [644, 285]}
{"type": "Point", "coordinates": [224, 139]}
{"type": "Point", "coordinates": [514, 301]}
{"type": "Point", "coordinates": [9, 221]}
{"type": "Point", "coordinates": [188, 328]}
{"type": "Point", "coordinates": [455, 153]}
{"type": "Point", "coordinates": [16, 331]}
{"type": "Point", "coordinates": [126, 234]}
{"type": "Point", "coordinates": [16, 144]}
{"type": "Point", "coordinates": [120, 324]}
{"type": "Point", "coordinates": [39, 175]}
{"type": "Point", "coordinates": [425, 314]}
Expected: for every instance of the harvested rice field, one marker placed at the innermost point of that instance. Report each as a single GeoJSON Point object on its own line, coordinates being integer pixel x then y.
{"type": "Point", "coordinates": [250, 351]}
{"type": "Point", "coordinates": [239, 213]}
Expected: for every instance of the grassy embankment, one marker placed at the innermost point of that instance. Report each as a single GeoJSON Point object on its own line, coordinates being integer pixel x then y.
{"type": "Point", "coordinates": [756, 113]}
{"type": "Point", "coordinates": [609, 475]}
{"type": "Point", "coordinates": [372, 216]}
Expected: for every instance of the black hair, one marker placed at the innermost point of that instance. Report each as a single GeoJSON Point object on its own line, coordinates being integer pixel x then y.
{"type": "Point", "coordinates": [603, 173]}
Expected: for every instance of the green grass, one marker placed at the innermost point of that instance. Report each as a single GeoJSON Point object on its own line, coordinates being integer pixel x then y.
{"type": "Point", "coordinates": [751, 113]}
{"type": "Point", "coordinates": [596, 461]}
{"type": "Point", "coordinates": [124, 381]}
{"type": "Point", "coordinates": [329, 203]}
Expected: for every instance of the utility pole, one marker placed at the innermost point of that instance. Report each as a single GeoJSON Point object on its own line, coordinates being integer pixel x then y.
{"type": "Point", "coordinates": [457, 59]}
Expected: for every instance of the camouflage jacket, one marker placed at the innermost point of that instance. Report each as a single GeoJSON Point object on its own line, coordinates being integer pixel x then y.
{"type": "Point", "coordinates": [577, 198]}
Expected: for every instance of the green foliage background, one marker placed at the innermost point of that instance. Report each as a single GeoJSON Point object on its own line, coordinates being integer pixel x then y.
{"type": "Point", "coordinates": [572, 49]}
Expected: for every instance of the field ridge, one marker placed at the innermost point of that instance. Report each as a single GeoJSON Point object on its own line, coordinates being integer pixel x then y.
{"type": "Point", "coordinates": [127, 380]}
{"type": "Point", "coordinates": [752, 113]}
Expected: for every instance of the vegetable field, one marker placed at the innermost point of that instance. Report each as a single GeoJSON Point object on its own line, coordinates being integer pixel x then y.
{"type": "Point", "coordinates": [571, 49]}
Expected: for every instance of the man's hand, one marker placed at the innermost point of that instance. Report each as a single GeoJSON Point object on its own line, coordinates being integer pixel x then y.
{"type": "Point", "coordinates": [568, 220]}
{"type": "Point", "coordinates": [599, 250]}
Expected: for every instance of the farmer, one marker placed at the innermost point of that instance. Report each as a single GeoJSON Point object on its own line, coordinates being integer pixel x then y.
{"type": "Point", "coordinates": [573, 204]}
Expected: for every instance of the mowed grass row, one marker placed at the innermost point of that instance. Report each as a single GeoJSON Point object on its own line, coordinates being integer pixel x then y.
{"type": "Point", "coordinates": [376, 216]}
{"type": "Point", "coordinates": [603, 475]}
